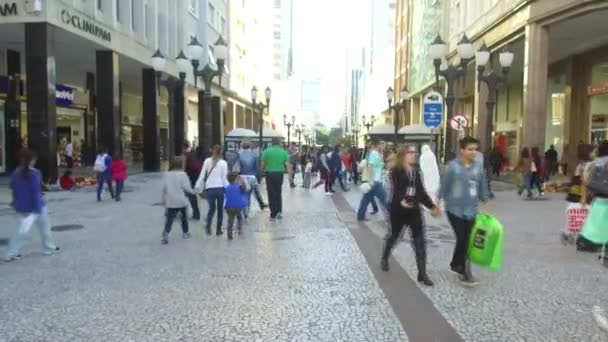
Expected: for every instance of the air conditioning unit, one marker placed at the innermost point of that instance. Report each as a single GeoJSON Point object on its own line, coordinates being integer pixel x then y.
{"type": "Point", "coordinates": [33, 6]}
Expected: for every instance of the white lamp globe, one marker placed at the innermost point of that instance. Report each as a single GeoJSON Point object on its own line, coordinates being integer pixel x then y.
{"type": "Point", "coordinates": [465, 48]}
{"type": "Point", "coordinates": [482, 57]}
{"type": "Point", "coordinates": [183, 64]}
{"type": "Point", "coordinates": [158, 61]}
{"type": "Point", "coordinates": [195, 49]}
{"type": "Point", "coordinates": [506, 57]}
{"type": "Point", "coordinates": [439, 49]}
{"type": "Point", "coordinates": [221, 49]}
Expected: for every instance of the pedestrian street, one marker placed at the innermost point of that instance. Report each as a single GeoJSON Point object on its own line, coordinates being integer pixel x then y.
{"type": "Point", "coordinates": [312, 276]}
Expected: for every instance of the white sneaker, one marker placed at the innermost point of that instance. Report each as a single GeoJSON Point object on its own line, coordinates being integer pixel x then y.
{"type": "Point", "coordinates": [51, 251]}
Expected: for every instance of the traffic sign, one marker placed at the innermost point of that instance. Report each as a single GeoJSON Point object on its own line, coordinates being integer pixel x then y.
{"type": "Point", "coordinates": [432, 109]}
{"type": "Point", "coordinates": [459, 122]}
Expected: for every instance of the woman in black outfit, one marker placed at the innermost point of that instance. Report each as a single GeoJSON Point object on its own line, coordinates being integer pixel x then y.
{"type": "Point", "coordinates": [408, 195]}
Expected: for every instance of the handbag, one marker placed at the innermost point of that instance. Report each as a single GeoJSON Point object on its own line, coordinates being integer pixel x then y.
{"type": "Point", "coordinates": [207, 173]}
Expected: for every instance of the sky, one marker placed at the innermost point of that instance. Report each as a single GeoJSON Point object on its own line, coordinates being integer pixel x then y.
{"type": "Point", "coordinates": [326, 32]}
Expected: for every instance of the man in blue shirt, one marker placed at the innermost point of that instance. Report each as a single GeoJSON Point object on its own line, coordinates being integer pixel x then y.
{"type": "Point", "coordinates": [462, 188]}
{"type": "Point", "coordinates": [249, 164]}
{"type": "Point", "coordinates": [375, 166]}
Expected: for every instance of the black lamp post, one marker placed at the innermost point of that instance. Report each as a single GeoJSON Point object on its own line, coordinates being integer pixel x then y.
{"type": "Point", "coordinates": [299, 130]}
{"type": "Point", "coordinates": [173, 85]}
{"type": "Point", "coordinates": [367, 124]}
{"type": "Point", "coordinates": [492, 81]}
{"type": "Point", "coordinates": [307, 138]}
{"type": "Point", "coordinates": [289, 125]}
{"type": "Point", "coordinates": [259, 107]}
{"type": "Point", "coordinates": [208, 73]}
{"type": "Point", "coordinates": [451, 73]}
{"type": "Point", "coordinates": [356, 131]}
{"type": "Point", "coordinates": [397, 107]}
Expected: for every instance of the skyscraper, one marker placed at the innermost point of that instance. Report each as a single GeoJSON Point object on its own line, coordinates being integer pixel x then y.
{"type": "Point", "coordinates": [282, 35]}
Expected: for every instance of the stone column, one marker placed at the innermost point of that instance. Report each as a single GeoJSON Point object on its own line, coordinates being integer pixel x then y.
{"type": "Point", "coordinates": [151, 121]}
{"type": "Point", "coordinates": [108, 101]}
{"type": "Point", "coordinates": [12, 110]}
{"type": "Point", "coordinates": [482, 115]}
{"type": "Point", "coordinates": [179, 129]}
{"type": "Point", "coordinates": [536, 62]}
{"type": "Point", "coordinates": [90, 137]}
{"type": "Point", "coordinates": [41, 109]}
{"type": "Point", "coordinates": [216, 121]}
{"type": "Point", "coordinates": [203, 148]}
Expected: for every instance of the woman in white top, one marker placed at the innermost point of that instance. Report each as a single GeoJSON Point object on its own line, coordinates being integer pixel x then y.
{"type": "Point", "coordinates": [211, 182]}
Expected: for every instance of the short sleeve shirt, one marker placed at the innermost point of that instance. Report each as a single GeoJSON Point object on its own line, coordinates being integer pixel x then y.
{"type": "Point", "coordinates": [274, 159]}
{"type": "Point", "coordinates": [377, 164]}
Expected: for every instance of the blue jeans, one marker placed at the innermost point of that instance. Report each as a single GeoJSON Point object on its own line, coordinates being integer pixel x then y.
{"type": "Point", "coordinates": [215, 199]}
{"type": "Point", "coordinates": [44, 226]}
{"type": "Point", "coordinates": [101, 179]}
{"type": "Point", "coordinates": [253, 186]}
{"type": "Point", "coordinates": [378, 192]}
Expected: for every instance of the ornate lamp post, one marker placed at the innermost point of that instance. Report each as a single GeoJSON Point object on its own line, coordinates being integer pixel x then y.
{"type": "Point", "coordinates": [307, 137]}
{"type": "Point", "coordinates": [367, 124]}
{"type": "Point", "coordinates": [356, 131]}
{"type": "Point", "coordinates": [492, 80]}
{"type": "Point", "coordinates": [208, 73]}
{"type": "Point", "coordinates": [451, 73]}
{"type": "Point", "coordinates": [173, 85]}
{"type": "Point", "coordinates": [299, 130]}
{"type": "Point", "coordinates": [260, 109]}
{"type": "Point", "coordinates": [289, 125]}
{"type": "Point", "coordinates": [397, 107]}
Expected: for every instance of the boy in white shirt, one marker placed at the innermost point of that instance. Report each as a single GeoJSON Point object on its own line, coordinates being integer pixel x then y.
{"type": "Point", "coordinates": [175, 186]}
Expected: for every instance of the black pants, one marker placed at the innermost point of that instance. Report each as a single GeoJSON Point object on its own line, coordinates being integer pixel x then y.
{"type": "Point", "coordinates": [235, 213]}
{"type": "Point", "coordinates": [258, 196]}
{"type": "Point", "coordinates": [274, 186]}
{"type": "Point", "coordinates": [413, 219]}
{"type": "Point", "coordinates": [462, 229]}
{"type": "Point", "coordinates": [69, 161]}
{"type": "Point", "coordinates": [196, 212]}
{"type": "Point", "coordinates": [120, 184]}
{"type": "Point", "coordinates": [171, 214]}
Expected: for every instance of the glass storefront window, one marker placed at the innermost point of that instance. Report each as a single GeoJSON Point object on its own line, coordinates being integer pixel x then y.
{"type": "Point", "coordinates": [598, 103]}
{"type": "Point", "coordinates": [556, 113]}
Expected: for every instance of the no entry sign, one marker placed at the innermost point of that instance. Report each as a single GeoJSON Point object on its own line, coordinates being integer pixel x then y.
{"type": "Point", "coordinates": [459, 122]}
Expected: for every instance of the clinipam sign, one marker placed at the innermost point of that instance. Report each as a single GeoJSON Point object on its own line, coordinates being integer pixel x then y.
{"type": "Point", "coordinates": [8, 9]}
{"type": "Point", "coordinates": [64, 95]}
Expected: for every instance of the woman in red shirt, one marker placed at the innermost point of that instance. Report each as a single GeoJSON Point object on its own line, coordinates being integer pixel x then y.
{"type": "Point", "coordinates": [348, 165]}
{"type": "Point", "coordinates": [119, 174]}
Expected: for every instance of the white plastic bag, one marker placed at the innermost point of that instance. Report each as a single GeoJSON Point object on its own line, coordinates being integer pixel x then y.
{"type": "Point", "coordinates": [27, 222]}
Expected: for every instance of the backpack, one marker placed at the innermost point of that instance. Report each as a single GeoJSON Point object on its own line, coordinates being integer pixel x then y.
{"type": "Point", "coordinates": [100, 163]}
{"type": "Point", "coordinates": [597, 176]}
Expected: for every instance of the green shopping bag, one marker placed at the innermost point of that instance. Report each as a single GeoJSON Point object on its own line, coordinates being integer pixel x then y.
{"type": "Point", "coordinates": [486, 241]}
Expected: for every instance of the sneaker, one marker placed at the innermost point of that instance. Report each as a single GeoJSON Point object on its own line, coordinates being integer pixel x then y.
{"type": "Point", "coordinates": [468, 281]}
{"type": "Point", "coordinates": [51, 251]}
{"type": "Point", "coordinates": [280, 216]}
{"type": "Point", "coordinates": [374, 212]}
{"type": "Point", "coordinates": [384, 265]}
{"type": "Point", "coordinates": [219, 233]}
{"type": "Point", "coordinates": [164, 241]}
{"type": "Point", "coordinates": [186, 235]}
{"type": "Point", "coordinates": [12, 258]}
{"type": "Point", "coordinates": [229, 235]}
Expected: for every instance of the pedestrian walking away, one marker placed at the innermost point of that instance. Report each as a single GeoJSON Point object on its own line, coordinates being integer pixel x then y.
{"type": "Point", "coordinates": [249, 166]}
{"type": "Point", "coordinates": [462, 188]}
{"type": "Point", "coordinates": [275, 162]}
{"type": "Point", "coordinates": [408, 195]}
{"type": "Point", "coordinates": [119, 175]}
{"type": "Point", "coordinates": [103, 168]}
{"type": "Point", "coordinates": [211, 183]}
{"type": "Point", "coordinates": [29, 203]}
{"type": "Point", "coordinates": [175, 187]}
{"type": "Point", "coordinates": [192, 166]}
{"type": "Point", "coordinates": [307, 173]}
{"type": "Point", "coordinates": [375, 166]}
{"type": "Point", "coordinates": [236, 202]}
{"type": "Point", "coordinates": [69, 154]}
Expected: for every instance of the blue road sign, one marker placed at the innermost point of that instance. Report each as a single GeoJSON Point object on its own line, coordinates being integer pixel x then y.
{"type": "Point", "coordinates": [432, 109]}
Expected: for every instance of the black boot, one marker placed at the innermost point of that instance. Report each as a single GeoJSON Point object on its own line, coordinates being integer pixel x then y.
{"type": "Point", "coordinates": [420, 251]}
{"type": "Point", "coordinates": [208, 229]}
{"type": "Point", "coordinates": [384, 265]}
{"type": "Point", "coordinates": [385, 255]}
{"type": "Point", "coordinates": [423, 277]}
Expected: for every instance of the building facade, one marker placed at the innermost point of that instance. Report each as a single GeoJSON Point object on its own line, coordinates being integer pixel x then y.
{"type": "Point", "coordinates": [96, 57]}
{"type": "Point", "coordinates": [555, 93]}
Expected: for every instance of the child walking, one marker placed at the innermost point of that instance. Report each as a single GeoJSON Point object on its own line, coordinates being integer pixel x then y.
{"type": "Point", "coordinates": [236, 201]}
{"type": "Point", "coordinates": [307, 173]}
{"type": "Point", "coordinates": [175, 186]}
{"type": "Point", "coordinates": [119, 175]}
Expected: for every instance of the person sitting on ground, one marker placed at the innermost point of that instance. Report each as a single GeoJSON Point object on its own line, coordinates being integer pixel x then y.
{"type": "Point", "coordinates": [67, 182]}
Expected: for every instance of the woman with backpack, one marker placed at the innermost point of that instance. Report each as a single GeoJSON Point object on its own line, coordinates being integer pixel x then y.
{"type": "Point", "coordinates": [103, 168]}
{"type": "Point", "coordinates": [211, 183]}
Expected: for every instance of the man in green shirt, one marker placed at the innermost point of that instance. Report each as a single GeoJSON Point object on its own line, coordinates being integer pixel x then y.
{"type": "Point", "coordinates": [275, 161]}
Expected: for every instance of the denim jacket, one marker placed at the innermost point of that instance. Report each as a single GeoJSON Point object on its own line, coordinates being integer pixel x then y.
{"type": "Point", "coordinates": [249, 163]}
{"type": "Point", "coordinates": [463, 187]}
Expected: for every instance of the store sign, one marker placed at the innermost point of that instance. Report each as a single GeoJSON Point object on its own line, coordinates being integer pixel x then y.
{"type": "Point", "coordinates": [600, 88]}
{"type": "Point", "coordinates": [8, 9]}
{"type": "Point", "coordinates": [85, 25]}
{"type": "Point", "coordinates": [64, 96]}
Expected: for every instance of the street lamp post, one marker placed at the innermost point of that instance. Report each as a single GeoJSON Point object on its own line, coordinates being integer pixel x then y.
{"type": "Point", "coordinates": [208, 73]}
{"type": "Point", "coordinates": [299, 131]}
{"type": "Point", "coordinates": [307, 137]}
{"type": "Point", "coordinates": [173, 85]}
{"type": "Point", "coordinates": [260, 109]}
{"type": "Point", "coordinates": [356, 131]}
{"type": "Point", "coordinates": [397, 107]}
{"type": "Point", "coordinates": [367, 124]}
{"type": "Point", "coordinates": [451, 73]}
{"type": "Point", "coordinates": [289, 125]}
{"type": "Point", "coordinates": [492, 80]}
